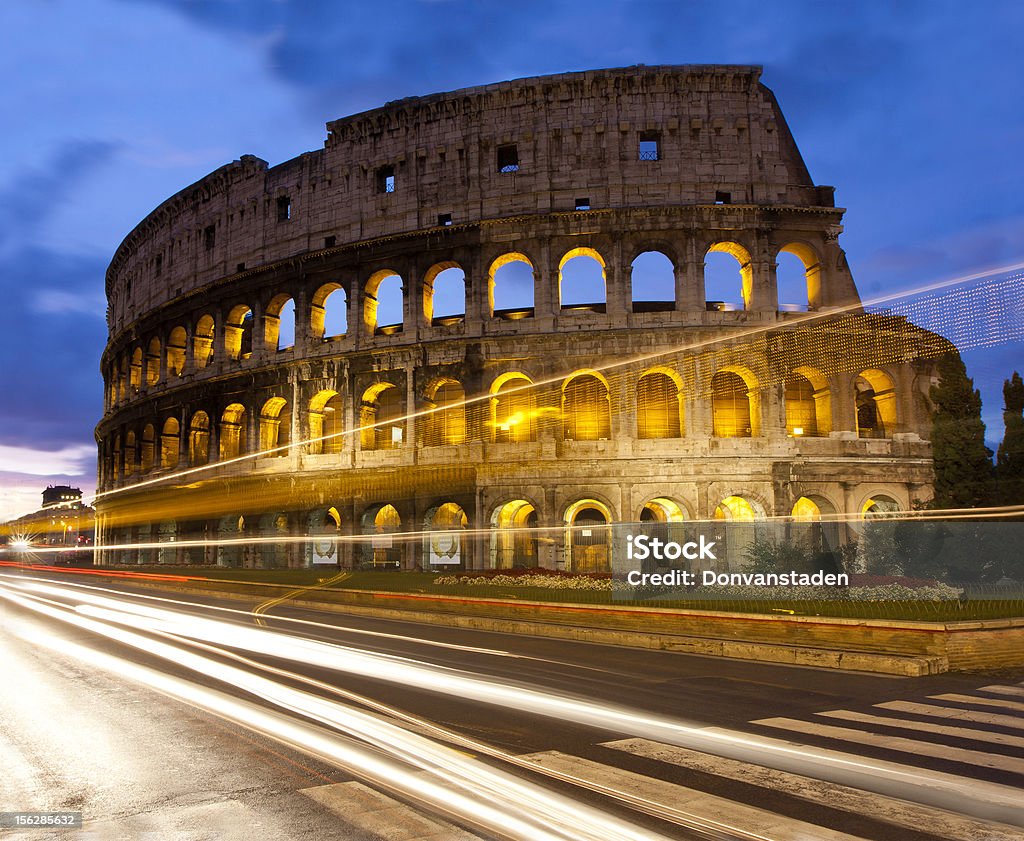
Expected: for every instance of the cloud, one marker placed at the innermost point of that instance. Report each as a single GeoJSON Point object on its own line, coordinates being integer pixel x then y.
{"type": "Point", "coordinates": [68, 461]}
{"type": "Point", "coordinates": [59, 301]}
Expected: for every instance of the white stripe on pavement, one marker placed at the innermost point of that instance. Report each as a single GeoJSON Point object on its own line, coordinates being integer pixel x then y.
{"type": "Point", "coordinates": [758, 822]}
{"type": "Point", "coordinates": [1003, 690]}
{"type": "Point", "coordinates": [376, 813]}
{"type": "Point", "coordinates": [928, 727]}
{"type": "Point", "coordinates": [936, 711]}
{"type": "Point", "coordinates": [984, 702]}
{"type": "Point", "coordinates": [889, 810]}
{"type": "Point", "coordinates": [898, 743]}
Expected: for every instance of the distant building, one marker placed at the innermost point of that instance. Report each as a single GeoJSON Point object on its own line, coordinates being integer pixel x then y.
{"type": "Point", "coordinates": [63, 521]}
{"type": "Point", "coordinates": [61, 496]}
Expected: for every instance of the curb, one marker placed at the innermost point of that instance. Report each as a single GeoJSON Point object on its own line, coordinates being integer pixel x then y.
{"type": "Point", "coordinates": [822, 658]}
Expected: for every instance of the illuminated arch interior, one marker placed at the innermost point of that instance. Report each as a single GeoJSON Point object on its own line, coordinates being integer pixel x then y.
{"type": "Point", "coordinates": [328, 312]}
{"type": "Point", "coordinates": [383, 303]}
{"type": "Point", "coordinates": [232, 432]}
{"type": "Point", "coordinates": [326, 422]}
{"type": "Point", "coordinates": [513, 408]}
{"type": "Point", "coordinates": [515, 538]}
{"type": "Point", "coordinates": [447, 423]}
{"type": "Point", "coordinates": [381, 422]}
{"type": "Point", "coordinates": [799, 277]}
{"type": "Point", "coordinates": [659, 405]}
{"type": "Point", "coordinates": [176, 346]}
{"type": "Point", "coordinates": [202, 341]}
{"type": "Point", "coordinates": [444, 292]}
{"type": "Point", "coordinates": [586, 408]}
{"type": "Point", "coordinates": [739, 509]}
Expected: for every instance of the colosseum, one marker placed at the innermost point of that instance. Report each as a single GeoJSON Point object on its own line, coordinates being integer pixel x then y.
{"type": "Point", "coordinates": [554, 358]}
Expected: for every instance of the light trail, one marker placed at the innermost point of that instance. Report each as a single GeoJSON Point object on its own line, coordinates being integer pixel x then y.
{"type": "Point", "coordinates": [998, 512]}
{"type": "Point", "coordinates": [979, 799]}
{"type": "Point", "coordinates": [750, 332]}
{"type": "Point", "coordinates": [447, 780]}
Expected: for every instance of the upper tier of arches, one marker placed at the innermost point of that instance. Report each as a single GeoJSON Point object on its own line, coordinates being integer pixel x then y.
{"type": "Point", "coordinates": [512, 290]}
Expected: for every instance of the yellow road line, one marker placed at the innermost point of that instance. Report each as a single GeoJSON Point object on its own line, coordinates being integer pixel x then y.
{"type": "Point", "coordinates": [260, 609]}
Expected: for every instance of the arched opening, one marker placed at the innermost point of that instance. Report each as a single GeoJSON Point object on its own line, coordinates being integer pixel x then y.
{"type": "Point", "coordinates": [166, 536]}
{"type": "Point", "coordinates": [808, 400]}
{"type": "Point", "coordinates": [199, 439]}
{"type": "Point", "coordinates": [588, 536]}
{"type": "Point", "coordinates": [381, 418]}
{"type": "Point", "coordinates": [586, 408]}
{"type": "Point", "coordinates": [328, 317]}
{"type": "Point", "coordinates": [444, 294]}
{"type": "Point", "coordinates": [202, 341]}
{"type": "Point", "coordinates": [176, 345]}
{"type": "Point", "coordinates": [728, 277]}
{"type": "Point", "coordinates": [323, 526]}
{"type": "Point", "coordinates": [384, 304]}
{"type": "Point", "coordinates": [733, 406]}
{"type": "Point", "coordinates": [147, 454]}
{"type": "Point", "coordinates": [326, 423]}
{"type": "Point", "coordinates": [230, 534]}
{"type": "Point", "coordinates": [135, 371]}
{"type": "Point", "coordinates": [274, 553]}
{"type": "Point", "coordinates": [739, 509]}
{"type": "Point", "coordinates": [232, 432]}
{"type": "Point", "coordinates": [275, 426]}
{"type": "Point", "coordinates": [662, 510]}
{"type": "Point", "coordinates": [447, 423]}
{"type": "Point", "coordinates": [798, 278]}
{"type": "Point", "coordinates": [875, 401]}
{"type": "Point", "coordinates": [238, 333]}
{"type": "Point", "coordinates": [118, 464]}
{"type": "Point", "coordinates": [510, 286]}
{"type": "Point", "coordinates": [122, 380]}
{"type": "Point", "coordinates": [659, 405]}
{"type": "Point", "coordinates": [513, 408]}
{"type": "Point", "coordinates": [130, 453]}
{"type": "Point", "coordinates": [879, 505]}
{"type": "Point", "coordinates": [514, 543]}
{"type": "Point", "coordinates": [170, 444]}
{"type": "Point", "coordinates": [382, 550]}
{"type": "Point", "coordinates": [581, 281]}
{"type": "Point", "coordinates": [653, 281]}
{"type": "Point", "coordinates": [443, 544]}
{"type": "Point", "coordinates": [815, 527]}
{"type": "Point", "coordinates": [279, 323]}
{"type": "Point", "coordinates": [153, 362]}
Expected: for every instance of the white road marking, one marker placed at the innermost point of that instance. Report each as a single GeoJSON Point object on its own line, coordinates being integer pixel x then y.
{"type": "Point", "coordinates": [760, 823]}
{"type": "Point", "coordinates": [928, 727]}
{"type": "Point", "coordinates": [376, 813]}
{"type": "Point", "coordinates": [1003, 690]}
{"type": "Point", "coordinates": [984, 702]}
{"type": "Point", "coordinates": [937, 711]}
{"type": "Point", "coordinates": [898, 743]}
{"type": "Point", "coordinates": [877, 806]}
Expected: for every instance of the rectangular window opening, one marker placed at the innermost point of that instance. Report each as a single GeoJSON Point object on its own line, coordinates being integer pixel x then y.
{"type": "Point", "coordinates": [444, 219]}
{"type": "Point", "coordinates": [723, 198]}
{"type": "Point", "coordinates": [284, 208]}
{"type": "Point", "coordinates": [209, 235]}
{"type": "Point", "coordinates": [583, 204]}
{"type": "Point", "coordinates": [240, 267]}
{"type": "Point", "coordinates": [158, 266]}
{"type": "Point", "coordinates": [330, 242]}
{"type": "Point", "coordinates": [650, 145]}
{"type": "Point", "coordinates": [386, 179]}
{"type": "Point", "coordinates": [508, 158]}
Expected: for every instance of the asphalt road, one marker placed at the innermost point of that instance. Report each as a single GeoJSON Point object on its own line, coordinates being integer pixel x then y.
{"type": "Point", "coordinates": [169, 716]}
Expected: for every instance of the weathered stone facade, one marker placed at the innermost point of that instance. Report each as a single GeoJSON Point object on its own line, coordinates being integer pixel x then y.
{"type": "Point", "coordinates": [214, 430]}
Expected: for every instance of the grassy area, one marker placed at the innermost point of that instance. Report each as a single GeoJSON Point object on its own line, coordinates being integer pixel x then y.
{"type": "Point", "coordinates": [423, 583]}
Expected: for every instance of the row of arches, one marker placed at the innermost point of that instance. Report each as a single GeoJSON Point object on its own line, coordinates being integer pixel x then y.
{"type": "Point", "coordinates": [579, 539]}
{"type": "Point", "coordinates": [510, 283]}
{"type": "Point", "coordinates": [514, 412]}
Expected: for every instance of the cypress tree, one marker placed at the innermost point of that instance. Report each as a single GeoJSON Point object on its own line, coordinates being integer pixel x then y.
{"type": "Point", "coordinates": [963, 464]}
{"type": "Point", "coordinates": [1010, 456]}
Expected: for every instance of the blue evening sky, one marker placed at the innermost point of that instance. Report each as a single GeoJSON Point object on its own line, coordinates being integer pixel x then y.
{"type": "Point", "coordinates": [913, 110]}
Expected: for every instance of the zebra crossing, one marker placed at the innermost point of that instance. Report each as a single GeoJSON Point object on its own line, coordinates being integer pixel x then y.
{"type": "Point", "coordinates": [669, 786]}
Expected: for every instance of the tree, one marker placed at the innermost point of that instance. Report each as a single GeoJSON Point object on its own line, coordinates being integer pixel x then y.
{"type": "Point", "coordinates": [1010, 456]}
{"type": "Point", "coordinates": [963, 464]}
